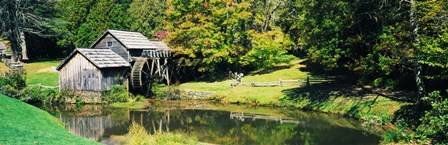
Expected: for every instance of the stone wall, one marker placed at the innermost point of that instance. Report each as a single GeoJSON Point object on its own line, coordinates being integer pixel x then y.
{"type": "Point", "coordinates": [88, 97]}
{"type": "Point", "coordinates": [193, 94]}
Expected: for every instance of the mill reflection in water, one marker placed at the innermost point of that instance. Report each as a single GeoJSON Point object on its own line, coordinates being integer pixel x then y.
{"type": "Point", "coordinates": [213, 124]}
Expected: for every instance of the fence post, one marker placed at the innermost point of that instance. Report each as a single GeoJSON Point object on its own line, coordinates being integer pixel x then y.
{"type": "Point", "coordinates": [307, 80]}
{"type": "Point", "coordinates": [280, 83]}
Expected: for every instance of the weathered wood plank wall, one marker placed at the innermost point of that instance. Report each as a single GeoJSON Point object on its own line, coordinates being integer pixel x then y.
{"type": "Point", "coordinates": [116, 46]}
{"type": "Point", "coordinates": [80, 74]}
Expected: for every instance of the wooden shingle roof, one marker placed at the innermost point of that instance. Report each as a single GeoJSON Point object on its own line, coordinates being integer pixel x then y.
{"type": "Point", "coordinates": [101, 58]}
{"type": "Point", "coordinates": [3, 46]}
{"type": "Point", "coordinates": [130, 40]}
{"type": "Point", "coordinates": [160, 45]}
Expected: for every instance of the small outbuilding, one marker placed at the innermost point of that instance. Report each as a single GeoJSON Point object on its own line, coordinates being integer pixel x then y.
{"type": "Point", "coordinates": [3, 49]}
{"type": "Point", "coordinates": [93, 70]}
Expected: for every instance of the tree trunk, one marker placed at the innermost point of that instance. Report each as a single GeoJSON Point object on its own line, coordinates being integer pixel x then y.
{"type": "Point", "coordinates": [416, 49]}
{"type": "Point", "coordinates": [23, 46]}
{"type": "Point", "coordinates": [13, 28]}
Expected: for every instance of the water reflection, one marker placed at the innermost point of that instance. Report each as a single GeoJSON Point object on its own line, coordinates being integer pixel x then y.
{"type": "Point", "coordinates": [218, 125]}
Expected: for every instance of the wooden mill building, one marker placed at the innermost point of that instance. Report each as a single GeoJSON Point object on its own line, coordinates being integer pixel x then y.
{"type": "Point", "coordinates": [92, 70]}
{"type": "Point", "coordinates": [127, 44]}
{"type": "Point", "coordinates": [114, 57]}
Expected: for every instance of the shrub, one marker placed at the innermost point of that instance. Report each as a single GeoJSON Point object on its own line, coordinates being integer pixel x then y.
{"type": "Point", "coordinates": [42, 95]}
{"type": "Point", "coordinates": [160, 91]}
{"type": "Point", "coordinates": [12, 83]}
{"type": "Point", "coordinates": [140, 98]}
{"type": "Point", "coordinates": [118, 93]}
{"type": "Point", "coordinates": [401, 134]}
{"type": "Point", "coordinates": [433, 128]}
{"type": "Point", "coordinates": [170, 93]}
{"type": "Point", "coordinates": [435, 122]}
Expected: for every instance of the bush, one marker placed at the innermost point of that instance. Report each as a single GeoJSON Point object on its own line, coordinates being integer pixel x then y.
{"type": "Point", "coordinates": [118, 93]}
{"type": "Point", "coordinates": [140, 98]}
{"type": "Point", "coordinates": [401, 134]}
{"type": "Point", "coordinates": [435, 122]}
{"type": "Point", "coordinates": [170, 93]}
{"type": "Point", "coordinates": [11, 84]}
{"type": "Point", "coordinates": [433, 128]}
{"type": "Point", "coordinates": [40, 95]}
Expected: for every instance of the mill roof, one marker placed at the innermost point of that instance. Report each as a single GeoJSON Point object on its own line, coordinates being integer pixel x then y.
{"type": "Point", "coordinates": [2, 46]}
{"type": "Point", "coordinates": [130, 40]}
{"type": "Point", "coordinates": [160, 45]}
{"type": "Point", "coordinates": [101, 58]}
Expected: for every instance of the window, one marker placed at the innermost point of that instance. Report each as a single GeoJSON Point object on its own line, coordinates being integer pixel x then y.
{"type": "Point", "coordinates": [109, 43]}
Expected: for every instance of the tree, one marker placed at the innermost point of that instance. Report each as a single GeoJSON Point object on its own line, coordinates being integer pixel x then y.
{"type": "Point", "coordinates": [19, 17]}
{"type": "Point", "coordinates": [222, 36]}
{"type": "Point", "coordinates": [72, 13]}
{"type": "Point", "coordinates": [87, 20]}
{"type": "Point", "coordinates": [146, 16]}
{"type": "Point", "coordinates": [433, 23]}
{"type": "Point", "coordinates": [416, 47]}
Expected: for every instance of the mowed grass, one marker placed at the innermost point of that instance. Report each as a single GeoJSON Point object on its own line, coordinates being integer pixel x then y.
{"type": "Point", "coordinates": [326, 97]}
{"type": "Point", "coordinates": [261, 95]}
{"type": "Point", "coordinates": [42, 72]}
{"type": "Point", "coordinates": [21, 123]}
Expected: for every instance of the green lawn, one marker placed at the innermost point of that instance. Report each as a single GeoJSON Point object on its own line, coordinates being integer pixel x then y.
{"type": "Point", "coordinates": [264, 95]}
{"type": "Point", "coordinates": [42, 72]}
{"type": "Point", "coordinates": [21, 123]}
{"type": "Point", "coordinates": [327, 97]}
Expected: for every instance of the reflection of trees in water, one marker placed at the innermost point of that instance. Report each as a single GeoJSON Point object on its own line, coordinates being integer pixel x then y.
{"type": "Point", "coordinates": [221, 127]}
{"type": "Point", "coordinates": [216, 126]}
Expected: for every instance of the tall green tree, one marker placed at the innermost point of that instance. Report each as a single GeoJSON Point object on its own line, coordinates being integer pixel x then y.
{"type": "Point", "coordinates": [73, 13]}
{"type": "Point", "coordinates": [433, 26]}
{"type": "Point", "coordinates": [370, 38]}
{"type": "Point", "coordinates": [146, 16]}
{"type": "Point", "coordinates": [87, 20]}
{"type": "Point", "coordinates": [217, 36]}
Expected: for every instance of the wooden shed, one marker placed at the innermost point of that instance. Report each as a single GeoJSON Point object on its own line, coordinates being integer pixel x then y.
{"type": "Point", "coordinates": [92, 70]}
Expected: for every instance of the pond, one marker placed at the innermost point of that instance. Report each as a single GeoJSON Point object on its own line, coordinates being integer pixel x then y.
{"type": "Point", "coordinates": [215, 123]}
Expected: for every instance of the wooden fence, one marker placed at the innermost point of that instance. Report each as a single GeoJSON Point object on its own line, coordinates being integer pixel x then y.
{"type": "Point", "coordinates": [283, 83]}
{"type": "Point", "coordinates": [42, 86]}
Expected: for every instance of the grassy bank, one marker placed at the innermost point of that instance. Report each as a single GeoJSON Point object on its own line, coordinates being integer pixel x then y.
{"type": "Point", "coordinates": [246, 94]}
{"type": "Point", "coordinates": [42, 72]}
{"type": "Point", "coordinates": [344, 99]}
{"type": "Point", "coordinates": [21, 123]}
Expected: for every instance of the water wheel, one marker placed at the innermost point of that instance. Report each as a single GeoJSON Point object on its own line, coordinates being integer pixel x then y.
{"type": "Point", "coordinates": [141, 76]}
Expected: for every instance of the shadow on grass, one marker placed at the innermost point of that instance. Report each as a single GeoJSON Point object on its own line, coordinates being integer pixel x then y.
{"type": "Point", "coordinates": [410, 115]}
{"type": "Point", "coordinates": [319, 96]}
{"type": "Point", "coordinates": [323, 91]}
{"type": "Point", "coordinates": [317, 70]}
{"type": "Point", "coordinates": [270, 69]}
{"type": "Point", "coordinates": [45, 60]}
